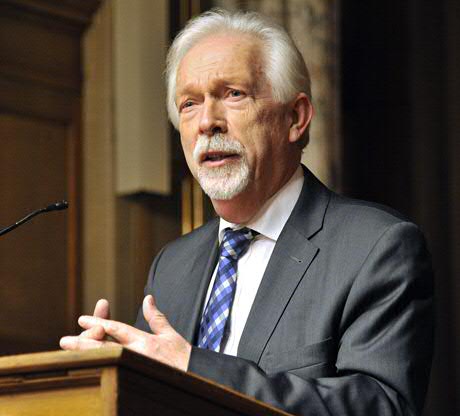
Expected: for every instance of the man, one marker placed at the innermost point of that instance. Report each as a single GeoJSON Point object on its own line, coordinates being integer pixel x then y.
{"type": "Point", "coordinates": [312, 302]}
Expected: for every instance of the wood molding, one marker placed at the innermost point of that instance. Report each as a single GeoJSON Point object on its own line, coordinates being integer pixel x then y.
{"type": "Point", "coordinates": [74, 245]}
{"type": "Point", "coordinates": [35, 101]}
{"type": "Point", "coordinates": [73, 12]}
{"type": "Point", "coordinates": [40, 69]}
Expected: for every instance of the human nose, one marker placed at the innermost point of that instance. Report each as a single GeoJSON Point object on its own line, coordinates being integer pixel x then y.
{"type": "Point", "coordinates": [212, 118]}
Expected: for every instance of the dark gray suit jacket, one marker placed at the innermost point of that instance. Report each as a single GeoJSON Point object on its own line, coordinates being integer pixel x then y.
{"type": "Point", "coordinates": [342, 322]}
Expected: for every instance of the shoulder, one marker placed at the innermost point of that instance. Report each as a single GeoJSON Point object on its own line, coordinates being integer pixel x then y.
{"type": "Point", "coordinates": [196, 239]}
{"type": "Point", "coordinates": [370, 216]}
{"type": "Point", "coordinates": [182, 253]}
{"type": "Point", "coordinates": [360, 229]}
{"type": "Point", "coordinates": [322, 214]}
{"type": "Point", "coordinates": [351, 228]}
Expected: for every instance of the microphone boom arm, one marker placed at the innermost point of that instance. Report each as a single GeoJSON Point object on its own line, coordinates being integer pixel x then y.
{"type": "Point", "coordinates": [53, 207]}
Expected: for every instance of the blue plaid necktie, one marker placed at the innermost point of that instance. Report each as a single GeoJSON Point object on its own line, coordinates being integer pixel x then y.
{"type": "Point", "coordinates": [212, 327]}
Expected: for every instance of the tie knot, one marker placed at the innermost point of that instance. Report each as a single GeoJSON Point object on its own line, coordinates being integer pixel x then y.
{"type": "Point", "coordinates": [236, 242]}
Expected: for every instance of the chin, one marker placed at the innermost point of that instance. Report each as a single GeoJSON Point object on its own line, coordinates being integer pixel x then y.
{"type": "Point", "coordinates": [224, 183]}
{"type": "Point", "coordinates": [222, 192]}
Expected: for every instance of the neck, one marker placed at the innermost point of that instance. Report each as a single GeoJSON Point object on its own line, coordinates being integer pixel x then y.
{"type": "Point", "coordinates": [245, 206]}
{"type": "Point", "coordinates": [238, 210]}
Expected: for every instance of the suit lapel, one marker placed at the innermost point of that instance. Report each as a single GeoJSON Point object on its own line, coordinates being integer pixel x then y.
{"type": "Point", "coordinates": [291, 258]}
{"type": "Point", "coordinates": [193, 284]}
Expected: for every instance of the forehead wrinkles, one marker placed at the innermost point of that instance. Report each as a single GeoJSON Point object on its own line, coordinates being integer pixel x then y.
{"type": "Point", "coordinates": [240, 60]}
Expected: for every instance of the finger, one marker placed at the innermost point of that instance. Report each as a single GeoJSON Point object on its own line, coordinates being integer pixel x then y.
{"type": "Point", "coordinates": [123, 333]}
{"type": "Point", "coordinates": [102, 309]}
{"type": "Point", "coordinates": [96, 332]}
{"type": "Point", "coordinates": [156, 320]}
{"type": "Point", "coordinates": [76, 343]}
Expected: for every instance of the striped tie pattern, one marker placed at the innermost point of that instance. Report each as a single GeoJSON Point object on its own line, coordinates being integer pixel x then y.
{"type": "Point", "coordinates": [212, 327]}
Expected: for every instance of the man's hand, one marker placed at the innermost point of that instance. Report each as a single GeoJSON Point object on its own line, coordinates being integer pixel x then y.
{"type": "Point", "coordinates": [101, 310]}
{"type": "Point", "coordinates": [164, 345]}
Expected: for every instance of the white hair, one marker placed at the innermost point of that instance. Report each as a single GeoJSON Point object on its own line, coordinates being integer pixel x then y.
{"type": "Point", "coordinates": [285, 67]}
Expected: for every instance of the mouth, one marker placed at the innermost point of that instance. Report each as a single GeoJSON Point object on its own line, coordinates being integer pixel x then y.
{"type": "Point", "coordinates": [215, 158]}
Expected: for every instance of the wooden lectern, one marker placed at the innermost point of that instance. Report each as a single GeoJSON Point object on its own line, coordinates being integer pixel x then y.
{"type": "Point", "coordinates": [109, 382]}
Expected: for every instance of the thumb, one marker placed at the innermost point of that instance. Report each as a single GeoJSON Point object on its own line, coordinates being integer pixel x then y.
{"type": "Point", "coordinates": [156, 320]}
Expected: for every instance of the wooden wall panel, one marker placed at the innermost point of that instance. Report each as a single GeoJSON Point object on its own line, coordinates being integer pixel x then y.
{"type": "Point", "coordinates": [33, 169]}
{"type": "Point", "coordinates": [40, 84]}
{"type": "Point", "coordinates": [23, 54]}
{"type": "Point", "coordinates": [39, 64]}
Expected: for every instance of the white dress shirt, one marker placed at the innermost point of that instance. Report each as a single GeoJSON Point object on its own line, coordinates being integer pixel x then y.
{"type": "Point", "coordinates": [268, 222]}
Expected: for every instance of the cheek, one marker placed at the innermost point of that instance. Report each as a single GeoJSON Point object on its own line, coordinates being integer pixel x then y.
{"type": "Point", "coordinates": [269, 117]}
{"type": "Point", "coordinates": [276, 128]}
{"type": "Point", "coordinates": [188, 145]}
{"type": "Point", "coordinates": [188, 132]}
{"type": "Point", "coordinates": [239, 123]}
{"type": "Point", "coordinates": [192, 165]}
{"type": "Point", "coordinates": [249, 127]}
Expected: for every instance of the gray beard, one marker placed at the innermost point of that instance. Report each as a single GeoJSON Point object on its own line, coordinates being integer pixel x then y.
{"type": "Point", "coordinates": [223, 182]}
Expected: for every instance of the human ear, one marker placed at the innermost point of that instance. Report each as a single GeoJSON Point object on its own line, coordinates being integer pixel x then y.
{"type": "Point", "coordinates": [301, 113]}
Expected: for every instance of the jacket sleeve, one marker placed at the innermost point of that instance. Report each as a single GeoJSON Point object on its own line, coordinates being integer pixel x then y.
{"type": "Point", "coordinates": [385, 344]}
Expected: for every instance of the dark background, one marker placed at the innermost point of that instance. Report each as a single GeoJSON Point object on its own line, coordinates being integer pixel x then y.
{"type": "Point", "coordinates": [401, 128]}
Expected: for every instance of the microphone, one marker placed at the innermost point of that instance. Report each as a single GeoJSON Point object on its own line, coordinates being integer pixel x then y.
{"type": "Point", "coordinates": [57, 206]}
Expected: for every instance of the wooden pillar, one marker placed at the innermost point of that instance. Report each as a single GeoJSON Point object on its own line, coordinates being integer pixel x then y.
{"type": "Point", "coordinates": [123, 229]}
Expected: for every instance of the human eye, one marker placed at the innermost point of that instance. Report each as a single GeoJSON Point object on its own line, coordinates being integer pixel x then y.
{"type": "Point", "coordinates": [186, 105]}
{"type": "Point", "coordinates": [235, 94]}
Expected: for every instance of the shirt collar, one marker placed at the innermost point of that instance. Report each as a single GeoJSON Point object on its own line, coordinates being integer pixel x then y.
{"type": "Point", "coordinates": [273, 215]}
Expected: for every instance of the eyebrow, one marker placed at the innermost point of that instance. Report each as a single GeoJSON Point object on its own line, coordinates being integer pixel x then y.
{"type": "Point", "coordinates": [191, 88]}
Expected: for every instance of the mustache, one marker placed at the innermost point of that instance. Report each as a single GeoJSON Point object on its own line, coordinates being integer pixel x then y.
{"type": "Point", "coordinates": [216, 143]}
